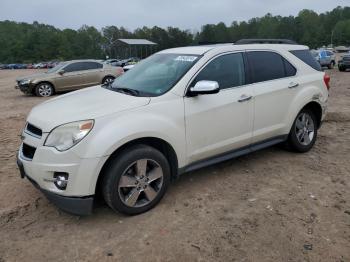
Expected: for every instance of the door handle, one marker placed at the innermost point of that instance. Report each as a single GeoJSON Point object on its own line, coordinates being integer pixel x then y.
{"type": "Point", "coordinates": [293, 85]}
{"type": "Point", "coordinates": [244, 98]}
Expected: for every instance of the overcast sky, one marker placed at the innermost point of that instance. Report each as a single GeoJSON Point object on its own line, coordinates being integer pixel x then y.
{"type": "Point", "coordinates": [186, 14]}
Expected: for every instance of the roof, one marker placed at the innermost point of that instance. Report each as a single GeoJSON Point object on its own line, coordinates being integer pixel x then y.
{"type": "Point", "coordinates": [201, 50]}
{"type": "Point", "coordinates": [82, 60]}
{"type": "Point", "coordinates": [136, 42]}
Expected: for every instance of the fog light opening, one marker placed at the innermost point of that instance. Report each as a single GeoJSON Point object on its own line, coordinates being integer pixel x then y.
{"type": "Point", "coordinates": [61, 180]}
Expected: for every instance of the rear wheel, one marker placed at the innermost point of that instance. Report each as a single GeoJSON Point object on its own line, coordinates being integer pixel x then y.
{"type": "Point", "coordinates": [108, 80]}
{"type": "Point", "coordinates": [303, 134]}
{"type": "Point", "coordinates": [136, 180]}
{"type": "Point", "coordinates": [44, 90]}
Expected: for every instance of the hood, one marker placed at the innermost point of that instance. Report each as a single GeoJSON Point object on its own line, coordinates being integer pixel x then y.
{"type": "Point", "coordinates": [89, 103]}
{"type": "Point", "coordinates": [37, 76]}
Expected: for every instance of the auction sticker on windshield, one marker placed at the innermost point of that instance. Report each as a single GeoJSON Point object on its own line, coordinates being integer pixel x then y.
{"type": "Point", "coordinates": [186, 58]}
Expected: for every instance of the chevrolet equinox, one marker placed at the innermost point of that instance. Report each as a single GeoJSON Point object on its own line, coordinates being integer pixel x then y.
{"type": "Point", "coordinates": [176, 111]}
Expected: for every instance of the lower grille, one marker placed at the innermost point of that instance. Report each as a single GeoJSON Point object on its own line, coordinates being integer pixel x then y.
{"type": "Point", "coordinates": [28, 151]}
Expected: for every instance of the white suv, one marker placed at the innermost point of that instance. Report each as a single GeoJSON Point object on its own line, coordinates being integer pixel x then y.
{"type": "Point", "coordinates": [179, 110]}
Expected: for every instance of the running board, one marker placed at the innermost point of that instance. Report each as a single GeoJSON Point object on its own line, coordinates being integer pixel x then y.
{"type": "Point", "coordinates": [232, 154]}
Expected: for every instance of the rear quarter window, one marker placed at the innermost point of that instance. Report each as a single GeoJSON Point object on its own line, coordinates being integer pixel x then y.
{"type": "Point", "coordinates": [307, 58]}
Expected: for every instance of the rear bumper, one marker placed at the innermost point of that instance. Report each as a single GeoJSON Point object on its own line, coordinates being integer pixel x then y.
{"type": "Point", "coordinates": [81, 206]}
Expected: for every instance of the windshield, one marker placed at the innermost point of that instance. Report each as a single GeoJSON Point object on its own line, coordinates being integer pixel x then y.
{"type": "Point", "coordinates": [156, 75]}
{"type": "Point", "coordinates": [57, 68]}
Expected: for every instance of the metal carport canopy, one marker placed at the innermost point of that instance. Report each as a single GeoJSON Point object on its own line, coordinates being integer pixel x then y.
{"type": "Point", "coordinates": [137, 42]}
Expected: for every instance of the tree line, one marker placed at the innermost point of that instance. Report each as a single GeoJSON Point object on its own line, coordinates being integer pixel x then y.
{"type": "Point", "coordinates": [27, 43]}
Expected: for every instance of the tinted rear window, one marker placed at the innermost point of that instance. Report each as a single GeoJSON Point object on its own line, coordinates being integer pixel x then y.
{"type": "Point", "coordinates": [306, 57]}
{"type": "Point", "coordinates": [267, 66]}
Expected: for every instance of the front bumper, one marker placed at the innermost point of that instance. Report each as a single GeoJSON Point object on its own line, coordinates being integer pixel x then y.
{"type": "Point", "coordinates": [347, 65]}
{"type": "Point", "coordinates": [27, 88]}
{"type": "Point", "coordinates": [81, 206]}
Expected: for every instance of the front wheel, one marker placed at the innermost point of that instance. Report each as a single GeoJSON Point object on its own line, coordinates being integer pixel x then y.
{"type": "Point", "coordinates": [302, 136]}
{"type": "Point", "coordinates": [136, 180]}
{"type": "Point", "coordinates": [44, 90]}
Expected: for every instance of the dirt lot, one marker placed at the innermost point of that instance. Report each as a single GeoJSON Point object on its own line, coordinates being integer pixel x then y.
{"type": "Point", "coordinates": [272, 205]}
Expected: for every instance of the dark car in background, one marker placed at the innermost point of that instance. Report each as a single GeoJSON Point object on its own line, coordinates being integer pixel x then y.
{"type": "Point", "coordinates": [344, 63]}
{"type": "Point", "coordinates": [16, 66]}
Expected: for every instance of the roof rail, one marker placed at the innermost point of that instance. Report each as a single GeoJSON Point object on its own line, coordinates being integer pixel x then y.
{"type": "Point", "coordinates": [213, 43]}
{"type": "Point", "coordinates": [265, 41]}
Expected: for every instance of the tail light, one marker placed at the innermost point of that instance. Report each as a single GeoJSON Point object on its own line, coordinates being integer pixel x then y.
{"type": "Point", "coordinates": [120, 70]}
{"type": "Point", "coordinates": [327, 80]}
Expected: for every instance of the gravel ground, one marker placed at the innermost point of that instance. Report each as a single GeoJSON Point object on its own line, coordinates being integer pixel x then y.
{"type": "Point", "coordinates": [272, 205]}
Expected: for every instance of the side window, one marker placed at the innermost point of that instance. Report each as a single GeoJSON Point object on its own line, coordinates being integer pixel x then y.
{"type": "Point", "coordinates": [307, 58]}
{"type": "Point", "coordinates": [79, 66]}
{"type": "Point", "coordinates": [227, 70]}
{"type": "Point", "coordinates": [266, 66]}
{"type": "Point", "coordinates": [289, 68]}
{"type": "Point", "coordinates": [92, 65]}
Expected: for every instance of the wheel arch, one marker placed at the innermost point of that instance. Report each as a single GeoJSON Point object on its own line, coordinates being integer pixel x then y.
{"type": "Point", "coordinates": [163, 146]}
{"type": "Point", "coordinates": [315, 108]}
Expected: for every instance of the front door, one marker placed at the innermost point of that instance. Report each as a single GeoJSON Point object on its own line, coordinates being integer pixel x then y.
{"type": "Point", "coordinates": [71, 78]}
{"type": "Point", "coordinates": [221, 122]}
{"type": "Point", "coordinates": [91, 74]}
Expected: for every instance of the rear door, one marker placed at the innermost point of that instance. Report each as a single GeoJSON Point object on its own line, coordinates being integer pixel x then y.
{"type": "Point", "coordinates": [274, 82]}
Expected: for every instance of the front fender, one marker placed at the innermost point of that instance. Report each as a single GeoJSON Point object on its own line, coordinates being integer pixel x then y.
{"type": "Point", "coordinates": [112, 132]}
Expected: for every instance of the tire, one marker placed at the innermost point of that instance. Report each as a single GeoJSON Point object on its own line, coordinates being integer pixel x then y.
{"type": "Point", "coordinates": [331, 65]}
{"type": "Point", "coordinates": [132, 192]}
{"type": "Point", "coordinates": [44, 90]}
{"type": "Point", "coordinates": [107, 80]}
{"type": "Point", "coordinates": [302, 136]}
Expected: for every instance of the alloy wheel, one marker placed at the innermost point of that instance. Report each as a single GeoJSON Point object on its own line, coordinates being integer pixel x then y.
{"type": "Point", "coordinates": [140, 183]}
{"type": "Point", "coordinates": [305, 129]}
{"type": "Point", "coordinates": [45, 90]}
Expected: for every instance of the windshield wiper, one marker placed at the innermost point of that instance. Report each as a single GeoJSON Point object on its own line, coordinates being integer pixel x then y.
{"type": "Point", "coordinates": [129, 91]}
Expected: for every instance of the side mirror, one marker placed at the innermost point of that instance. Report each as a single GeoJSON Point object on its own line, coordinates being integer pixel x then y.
{"type": "Point", "coordinates": [61, 72]}
{"type": "Point", "coordinates": [204, 88]}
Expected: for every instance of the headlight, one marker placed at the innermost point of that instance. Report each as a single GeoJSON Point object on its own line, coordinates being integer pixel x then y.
{"type": "Point", "coordinates": [25, 82]}
{"type": "Point", "coordinates": [68, 135]}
